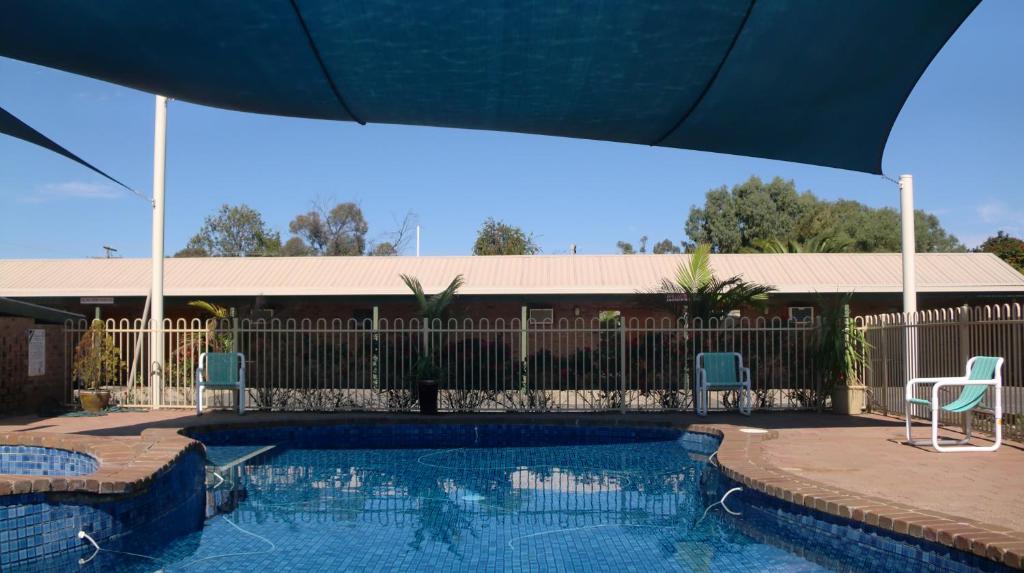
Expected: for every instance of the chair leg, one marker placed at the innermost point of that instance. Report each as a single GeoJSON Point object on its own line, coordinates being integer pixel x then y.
{"type": "Point", "coordinates": [199, 400]}
{"type": "Point", "coordinates": [746, 401]}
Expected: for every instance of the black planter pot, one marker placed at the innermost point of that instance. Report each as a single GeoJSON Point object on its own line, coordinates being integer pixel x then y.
{"type": "Point", "coordinates": [427, 393]}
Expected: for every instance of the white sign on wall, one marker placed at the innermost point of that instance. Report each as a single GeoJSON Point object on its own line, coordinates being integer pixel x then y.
{"type": "Point", "coordinates": [36, 352]}
{"type": "Point", "coordinates": [96, 300]}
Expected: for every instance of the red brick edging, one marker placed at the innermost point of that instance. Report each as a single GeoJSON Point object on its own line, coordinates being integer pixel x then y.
{"type": "Point", "coordinates": [742, 458]}
{"type": "Point", "coordinates": [124, 466]}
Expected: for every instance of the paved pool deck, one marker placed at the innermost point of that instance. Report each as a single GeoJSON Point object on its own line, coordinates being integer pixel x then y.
{"type": "Point", "coordinates": [850, 466]}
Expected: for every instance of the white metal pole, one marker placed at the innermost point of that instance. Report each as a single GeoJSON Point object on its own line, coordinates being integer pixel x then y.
{"type": "Point", "coordinates": [417, 240]}
{"type": "Point", "coordinates": [909, 275]}
{"type": "Point", "coordinates": [909, 243]}
{"type": "Point", "coordinates": [156, 340]}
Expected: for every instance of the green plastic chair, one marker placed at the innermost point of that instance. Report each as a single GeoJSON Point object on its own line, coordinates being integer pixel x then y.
{"type": "Point", "coordinates": [981, 374]}
{"type": "Point", "coordinates": [218, 371]}
{"type": "Point", "coordinates": [722, 371]}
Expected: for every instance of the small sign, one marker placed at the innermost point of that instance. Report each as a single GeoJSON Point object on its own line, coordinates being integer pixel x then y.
{"type": "Point", "coordinates": [96, 300]}
{"type": "Point", "coordinates": [36, 352]}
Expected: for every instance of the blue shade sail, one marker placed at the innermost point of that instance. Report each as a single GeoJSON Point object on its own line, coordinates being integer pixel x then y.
{"type": "Point", "coordinates": [810, 81]}
{"type": "Point", "coordinates": [14, 127]}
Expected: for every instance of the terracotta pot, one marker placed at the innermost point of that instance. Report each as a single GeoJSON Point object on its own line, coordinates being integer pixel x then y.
{"type": "Point", "coordinates": [94, 401]}
{"type": "Point", "coordinates": [426, 390]}
{"type": "Point", "coordinates": [849, 400]}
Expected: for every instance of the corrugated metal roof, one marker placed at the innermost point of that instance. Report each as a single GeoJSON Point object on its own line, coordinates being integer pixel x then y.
{"type": "Point", "coordinates": [543, 274]}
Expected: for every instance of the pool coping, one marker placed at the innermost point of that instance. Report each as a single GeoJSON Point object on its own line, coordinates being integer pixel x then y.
{"type": "Point", "coordinates": [128, 466]}
{"type": "Point", "coordinates": [125, 467]}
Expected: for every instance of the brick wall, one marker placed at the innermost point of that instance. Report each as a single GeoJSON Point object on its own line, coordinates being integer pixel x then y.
{"type": "Point", "coordinates": [19, 392]}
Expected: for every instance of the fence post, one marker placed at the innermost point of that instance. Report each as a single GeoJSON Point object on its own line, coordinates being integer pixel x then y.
{"type": "Point", "coordinates": [375, 349]}
{"type": "Point", "coordinates": [524, 350]}
{"type": "Point", "coordinates": [622, 363]}
{"type": "Point", "coordinates": [965, 334]}
{"type": "Point", "coordinates": [234, 330]}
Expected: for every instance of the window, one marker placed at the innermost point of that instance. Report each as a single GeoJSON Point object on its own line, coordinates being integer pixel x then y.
{"type": "Point", "coordinates": [801, 313]}
{"type": "Point", "coordinates": [542, 316]}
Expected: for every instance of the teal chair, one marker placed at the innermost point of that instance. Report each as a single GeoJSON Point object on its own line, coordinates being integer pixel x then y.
{"type": "Point", "coordinates": [982, 373]}
{"type": "Point", "coordinates": [722, 371]}
{"type": "Point", "coordinates": [219, 371]}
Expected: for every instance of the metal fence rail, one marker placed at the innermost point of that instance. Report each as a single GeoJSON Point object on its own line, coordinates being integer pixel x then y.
{"type": "Point", "coordinates": [938, 343]}
{"type": "Point", "coordinates": [500, 365]}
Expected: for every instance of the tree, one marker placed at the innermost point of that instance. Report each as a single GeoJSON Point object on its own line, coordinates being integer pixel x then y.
{"type": "Point", "coordinates": [661, 247]}
{"type": "Point", "coordinates": [497, 238]}
{"type": "Point", "coordinates": [665, 247]}
{"type": "Point", "coordinates": [396, 240]}
{"type": "Point", "coordinates": [385, 249]}
{"type": "Point", "coordinates": [296, 247]}
{"type": "Point", "coordinates": [1006, 247]}
{"type": "Point", "coordinates": [754, 213]}
{"type": "Point", "coordinates": [335, 232]}
{"type": "Point", "coordinates": [695, 291]}
{"type": "Point", "coordinates": [234, 231]}
{"type": "Point", "coordinates": [813, 245]}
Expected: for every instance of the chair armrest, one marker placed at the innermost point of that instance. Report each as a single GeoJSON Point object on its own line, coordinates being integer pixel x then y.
{"type": "Point", "coordinates": [935, 380]}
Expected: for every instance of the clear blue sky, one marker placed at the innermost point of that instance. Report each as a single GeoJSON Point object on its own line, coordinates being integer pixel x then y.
{"type": "Point", "coordinates": [959, 134]}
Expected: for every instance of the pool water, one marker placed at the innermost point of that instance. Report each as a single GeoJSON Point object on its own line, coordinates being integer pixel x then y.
{"type": "Point", "coordinates": [620, 506]}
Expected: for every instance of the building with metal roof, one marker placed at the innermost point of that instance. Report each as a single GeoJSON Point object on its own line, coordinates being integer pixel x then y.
{"type": "Point", "coordinates": [328, 285]}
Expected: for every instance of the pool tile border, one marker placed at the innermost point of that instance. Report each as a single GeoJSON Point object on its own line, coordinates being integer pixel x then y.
{"type": "Point", "coordinates": [126, 466]}
{"type": "Point", "coordinates": [742, 458]}
{"type": "Point", "coordinates": [129, 465]}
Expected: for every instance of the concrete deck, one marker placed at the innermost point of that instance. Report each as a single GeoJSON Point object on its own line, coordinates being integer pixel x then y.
{"type": "Point", "coordinates": [849, 466]}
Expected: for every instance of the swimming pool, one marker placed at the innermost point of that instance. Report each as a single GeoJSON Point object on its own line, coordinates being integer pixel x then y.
{"type": "Point", "coordinates": [500, 498]}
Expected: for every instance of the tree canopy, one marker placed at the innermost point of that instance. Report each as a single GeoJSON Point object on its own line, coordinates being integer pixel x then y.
{"type": "Point", "coordinates": [240, 231]}
{"type": "Point", "coordinates": [755, 213]}
{"type": "Point", "coordinates": [1006, 247]}
{"type": "Point", "coordinates": [234, 231]}
{"type": "Point", "coordinates": [498, 238]}
{"type": "Point", "coordinates": [340, 230]}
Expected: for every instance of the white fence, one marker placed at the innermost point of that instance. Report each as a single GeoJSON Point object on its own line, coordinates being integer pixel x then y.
{"type": "Point", "coordinates": [938, 343]}
{"type": "Point", "coordinates": [577, 365]}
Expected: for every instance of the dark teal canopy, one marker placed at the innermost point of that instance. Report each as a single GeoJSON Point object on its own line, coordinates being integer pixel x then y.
{"type": "Point", "coordinates": [812, 81]}
{"type": "Point", "coordinates": [11, 125]}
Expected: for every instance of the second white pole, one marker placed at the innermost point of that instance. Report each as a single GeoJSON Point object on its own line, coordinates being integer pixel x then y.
{"type": "Point", "coordinates": [909, 248]}
{"type": "Point", "coordinates": [156, 340]}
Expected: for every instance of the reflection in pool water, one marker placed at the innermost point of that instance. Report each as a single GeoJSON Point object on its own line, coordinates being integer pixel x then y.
{"type": "Point", "coordinates": [597, 507]}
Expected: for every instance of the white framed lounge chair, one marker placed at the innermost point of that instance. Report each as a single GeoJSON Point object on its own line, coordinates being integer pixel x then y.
{"type": "Point", "coordinates": [220, 370]}
{"type": "Point", "coordinates": [982, 373]}
{"type": "Point", "coordinates": [722, 371]}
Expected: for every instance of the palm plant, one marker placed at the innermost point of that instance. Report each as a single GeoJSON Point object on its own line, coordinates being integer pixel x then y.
{"type": "Point", "coordinates": [435, 307]}
{"type": "Point", "coordinates": [432, 309]}
{"type": "Point", "coordinates": [841, 353]}
{"type": "Point", "coordinates": [695, 291]}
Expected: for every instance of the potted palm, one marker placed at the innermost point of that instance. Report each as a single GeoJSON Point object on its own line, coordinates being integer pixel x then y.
{"type": "Point", "coordinates": [97, 362]}
{"type": "Point", "coordinates": [426, 374]}
{"type": "Point", "coordinates": [426, 371]}
{"type": "Point", "coordinates": [841, 357]}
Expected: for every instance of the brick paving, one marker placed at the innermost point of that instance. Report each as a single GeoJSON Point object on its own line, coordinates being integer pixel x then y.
{"type": "Point", "coordinates": [852, 467]}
